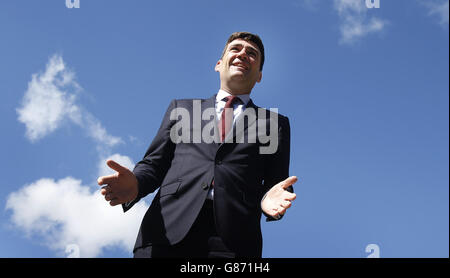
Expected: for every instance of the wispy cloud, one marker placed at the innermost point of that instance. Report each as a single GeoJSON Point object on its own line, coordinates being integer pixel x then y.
{"type": "Point", "coordinates": [51, 100]}
{"type": "Point", "coordinates": [64, 213]}
{"type": "Point", "coordinates": [439, 9]}
{"type": "Point", "coordinates": [355, 21]}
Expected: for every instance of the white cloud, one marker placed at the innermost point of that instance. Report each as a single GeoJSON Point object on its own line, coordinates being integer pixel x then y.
{"type": "Point", "coordinates": [97, 132]}
{"type": "Point", "coordinates": [46, 103]}
{"type": "Point", "coordinates": [439, 9]}
{"type": "Point", "coordinates": [104, 170]}
{"type": "Point", "coordinates": [65, 212]}
{"type": "Point", "coordinates": [355, 22]}
{"type": "Point", "coordinates": [50, 101]}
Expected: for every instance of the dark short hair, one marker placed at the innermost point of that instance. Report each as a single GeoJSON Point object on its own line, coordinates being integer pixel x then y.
{"type": "Point", "coordinates": [246, 36]}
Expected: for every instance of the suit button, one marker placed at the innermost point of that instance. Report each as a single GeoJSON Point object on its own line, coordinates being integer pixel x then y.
{"type": "Point", "coordinates": [204, 185]}
{"type": "Point", "coordinates": [218, 162]}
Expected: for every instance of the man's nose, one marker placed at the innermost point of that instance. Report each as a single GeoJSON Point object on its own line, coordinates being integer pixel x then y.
{"type": "Point", "coordinates": [243, 55]}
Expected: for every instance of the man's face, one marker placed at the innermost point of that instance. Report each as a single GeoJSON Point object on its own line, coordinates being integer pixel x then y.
{"type": "Point", "coordinates": [240, 64]}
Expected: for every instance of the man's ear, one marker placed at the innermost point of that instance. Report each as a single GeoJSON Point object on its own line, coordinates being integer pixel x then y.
{"type": "Point", "coordinates": [217, 67]}
{"type": "Point", "coordinates": [260, 77]}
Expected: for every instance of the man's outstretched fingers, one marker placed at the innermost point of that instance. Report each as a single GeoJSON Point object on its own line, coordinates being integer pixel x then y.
{"type": "Point", "coordinates": [106, 190]}
{"type": "Point", "coordinates": [289, 181]}
{"type": "Point", "coordinates": [281, 211]}
{"type": "Point", "coordinates": [109, 197]}
{"type": "Point", "coordinates": [286, 204]}
{"type": "Point", "coordinates": [106, 179]}
{"type": "Point", "coordinates": [289, 196]}
{"type": "Point", "coordinates": [116, 166]}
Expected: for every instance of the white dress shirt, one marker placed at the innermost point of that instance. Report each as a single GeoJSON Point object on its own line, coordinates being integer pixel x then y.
{"type": "Point", "coordinates": [237, 106]}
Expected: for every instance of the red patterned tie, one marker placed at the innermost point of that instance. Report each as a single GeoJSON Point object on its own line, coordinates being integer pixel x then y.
{"type": "Point", "coordinates": [226, 120]}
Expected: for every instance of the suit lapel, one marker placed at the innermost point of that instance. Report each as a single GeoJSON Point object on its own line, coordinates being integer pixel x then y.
{"type": "Point", "coordinates": [210, 104]}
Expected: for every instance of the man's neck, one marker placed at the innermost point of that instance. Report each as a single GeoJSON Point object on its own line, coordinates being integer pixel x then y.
{"type": "Point", "coordinates": [245, 98]}
{"type": "Point", "coordinates": [235, 92]}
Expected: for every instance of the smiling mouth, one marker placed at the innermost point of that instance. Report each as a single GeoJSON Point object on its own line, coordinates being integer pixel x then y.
{"type": "Point", "coordinates": [240, 66]}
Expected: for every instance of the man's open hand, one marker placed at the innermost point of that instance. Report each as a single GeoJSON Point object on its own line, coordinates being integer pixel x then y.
{"type": "Point", "coordinates": [278, 199]}
{"type": "Point", "coordinates": [121, 187]}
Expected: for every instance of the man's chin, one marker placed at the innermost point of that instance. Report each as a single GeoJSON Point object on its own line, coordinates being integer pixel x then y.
{"type": "Point", "coordinates": [238, 75]}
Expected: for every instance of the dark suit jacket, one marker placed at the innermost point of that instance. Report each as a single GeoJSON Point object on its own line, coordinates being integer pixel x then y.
{"type": "Point", "coordinates": [184, 173]}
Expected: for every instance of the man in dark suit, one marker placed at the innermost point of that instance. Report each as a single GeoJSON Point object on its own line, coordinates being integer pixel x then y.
{"type": "Point", "coordinates": [214, 167]}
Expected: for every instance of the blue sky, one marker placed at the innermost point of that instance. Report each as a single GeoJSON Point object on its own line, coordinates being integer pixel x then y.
{"type": "Point", "coordinates": [366, 91]}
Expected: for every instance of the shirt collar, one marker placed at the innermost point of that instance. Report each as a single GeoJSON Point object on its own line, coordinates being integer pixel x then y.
{"type": "Point", "coordinates": [222, 94]}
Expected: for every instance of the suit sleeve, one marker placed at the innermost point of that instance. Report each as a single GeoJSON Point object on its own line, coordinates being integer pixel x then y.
{"type": "Point", "coordinates": [152, 169]}
{"type": "Point", "coordinates": [277, 166]}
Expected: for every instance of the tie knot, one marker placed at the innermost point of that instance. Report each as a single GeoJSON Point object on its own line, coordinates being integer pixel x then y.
{"type": "Point", "coordinates": [231, 100]}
